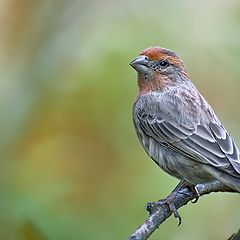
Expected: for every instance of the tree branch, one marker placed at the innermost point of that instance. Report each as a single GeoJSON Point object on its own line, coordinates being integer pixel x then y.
{"type": "Point", "coordinates": [158, 214]}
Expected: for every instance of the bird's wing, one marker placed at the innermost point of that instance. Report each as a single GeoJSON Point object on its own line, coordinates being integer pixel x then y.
{"type": "Point", "coordinates": [207, 143]}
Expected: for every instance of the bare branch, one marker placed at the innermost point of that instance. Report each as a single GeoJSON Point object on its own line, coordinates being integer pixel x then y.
{"type": "Point", "coordinates": [158, 214]}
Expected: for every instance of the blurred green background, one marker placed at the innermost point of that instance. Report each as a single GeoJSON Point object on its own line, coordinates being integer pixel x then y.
{"type": "Point", "coordinates": [71, 164]}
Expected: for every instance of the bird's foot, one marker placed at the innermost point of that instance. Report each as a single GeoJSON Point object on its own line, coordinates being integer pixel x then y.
{"type": "Point", "coordinates": [170, 200]}
{"type": "Point", "coordinates": [193, 189]}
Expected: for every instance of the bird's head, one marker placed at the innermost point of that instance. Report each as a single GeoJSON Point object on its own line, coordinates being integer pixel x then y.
{"type": "Point", "coordinates": [158, 68]}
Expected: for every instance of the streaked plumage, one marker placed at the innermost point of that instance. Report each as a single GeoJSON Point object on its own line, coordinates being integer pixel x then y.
{"type": "Point", "coordinates": [177, 127]}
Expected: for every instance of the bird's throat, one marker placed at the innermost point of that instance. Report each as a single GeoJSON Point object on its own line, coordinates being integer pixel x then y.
{"type": "Point", "coordinates": [148, 83]}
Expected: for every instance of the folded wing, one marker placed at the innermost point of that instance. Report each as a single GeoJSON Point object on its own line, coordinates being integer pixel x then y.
{"type": "Point", "coordinates": [206, 143]}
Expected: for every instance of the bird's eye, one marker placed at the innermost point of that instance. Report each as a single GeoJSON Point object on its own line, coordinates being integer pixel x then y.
{"type": "Point", "coordinates": [164, 63]}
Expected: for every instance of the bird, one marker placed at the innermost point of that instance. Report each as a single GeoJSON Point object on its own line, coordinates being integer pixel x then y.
{"type": "Point", "coordinates": [177, 127]}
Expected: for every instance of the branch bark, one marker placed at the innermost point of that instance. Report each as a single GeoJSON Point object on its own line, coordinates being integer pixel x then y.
{"type": "Point", "coordinates": [158, 214]}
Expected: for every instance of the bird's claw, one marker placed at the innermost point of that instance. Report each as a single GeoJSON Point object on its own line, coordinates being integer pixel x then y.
{"type": "Point", "coordinates": [195, 193]}
{"type": "Point", "coordinates": [176, 214]}
{"type": "Point", "coordinates": [194, 200]}
{"type": "Point", "coordinates": [170, 203]}
{"type": "Point", "coordinates": [152, 207]}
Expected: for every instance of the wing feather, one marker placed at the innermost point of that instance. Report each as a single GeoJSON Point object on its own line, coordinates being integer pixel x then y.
{"type": "Point", "coordinates": [207, 143]}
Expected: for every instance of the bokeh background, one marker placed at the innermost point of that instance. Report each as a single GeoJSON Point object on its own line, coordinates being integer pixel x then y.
{"type": "Point", "coordinates": [71, 164]}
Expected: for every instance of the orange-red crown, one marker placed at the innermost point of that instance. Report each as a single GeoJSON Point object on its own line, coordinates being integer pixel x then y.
{"type": "Point", "coordinates": [158, 53]}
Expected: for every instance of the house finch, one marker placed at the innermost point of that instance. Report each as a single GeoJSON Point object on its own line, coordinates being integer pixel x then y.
{"type": "Point", "coordinates": [177, 127]}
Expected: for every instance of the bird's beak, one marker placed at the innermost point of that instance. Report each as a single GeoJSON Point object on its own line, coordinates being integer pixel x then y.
{"type": "Point", "coordinates": [140, 64]}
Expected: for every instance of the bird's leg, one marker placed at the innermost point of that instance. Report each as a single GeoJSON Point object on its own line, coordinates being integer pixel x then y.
{"type": "Point", "coordinates": [169, 201]}
{"type": "Point", "coordinates": [192, 187]}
